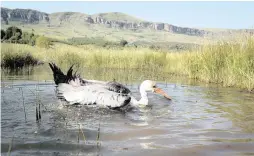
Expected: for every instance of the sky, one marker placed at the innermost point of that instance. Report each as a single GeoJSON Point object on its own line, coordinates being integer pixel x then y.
{"type": "Point", "coordinates": [235, 15]}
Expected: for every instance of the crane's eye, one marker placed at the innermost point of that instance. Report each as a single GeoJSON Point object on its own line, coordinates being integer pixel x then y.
{"type": "Point", "coordinates": [154, 86]}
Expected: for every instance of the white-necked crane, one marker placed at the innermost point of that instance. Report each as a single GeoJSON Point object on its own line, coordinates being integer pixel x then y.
{"type": "Point", "coordinates": [75, 90]}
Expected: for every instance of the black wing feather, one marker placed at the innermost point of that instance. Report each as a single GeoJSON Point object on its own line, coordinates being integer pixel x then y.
{"type": "Point", "coordinates": [117, 87]}
{"type": "Point", "coordinates": [60, 77]}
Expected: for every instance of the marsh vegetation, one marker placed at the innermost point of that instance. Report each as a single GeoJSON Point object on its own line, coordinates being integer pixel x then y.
{"type": "Point", "coordinates": [230, 64]}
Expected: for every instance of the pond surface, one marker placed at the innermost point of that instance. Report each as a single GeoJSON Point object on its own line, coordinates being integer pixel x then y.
{"type": "Point", "coordinates": [200, 120]}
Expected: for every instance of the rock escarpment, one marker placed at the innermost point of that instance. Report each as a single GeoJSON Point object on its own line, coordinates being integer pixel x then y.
{"type": "Point", "coordinates": [28, 16]}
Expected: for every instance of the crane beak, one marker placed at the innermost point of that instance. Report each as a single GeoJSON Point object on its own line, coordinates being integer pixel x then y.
{"type": "Point", "coordinates": [160, 91]}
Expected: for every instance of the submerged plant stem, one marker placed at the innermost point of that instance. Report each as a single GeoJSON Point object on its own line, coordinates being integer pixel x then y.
{"type": "Point", "coordinates": [23, 102]}
{"type": "Point", "coordinates": [10, 145]}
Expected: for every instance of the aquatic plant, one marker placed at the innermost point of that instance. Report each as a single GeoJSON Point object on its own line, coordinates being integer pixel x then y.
{"type": "Point", "coordinates": [17, 58]}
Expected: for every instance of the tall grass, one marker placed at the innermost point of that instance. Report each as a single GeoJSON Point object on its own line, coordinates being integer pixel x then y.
{"type": "Point", "coordinates": [231, 64]}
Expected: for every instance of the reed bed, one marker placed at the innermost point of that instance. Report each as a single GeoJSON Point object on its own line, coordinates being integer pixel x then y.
{"type": "Point", "coordinates": [231, 64]}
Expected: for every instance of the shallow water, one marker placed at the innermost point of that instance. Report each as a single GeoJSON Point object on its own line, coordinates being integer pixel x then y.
{"type": "Point", "coordinates": [200, 120]}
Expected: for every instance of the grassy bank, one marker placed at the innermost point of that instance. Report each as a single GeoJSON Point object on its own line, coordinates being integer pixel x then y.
{"type": "Point", "coordinates": [231, 64]}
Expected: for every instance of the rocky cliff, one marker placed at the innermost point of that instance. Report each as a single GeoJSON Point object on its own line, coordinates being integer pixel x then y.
{"type": "Point", "coordinates": [145, 25]}
{"type": "Point", "coordinates": [23, 16]}
{"type": "Point", "coordinates": [28, 16]}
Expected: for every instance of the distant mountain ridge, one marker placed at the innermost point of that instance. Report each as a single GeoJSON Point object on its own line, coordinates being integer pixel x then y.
{"type": "Point", "coordinates": [114, 26]}
{"type": "Point", "coordinates": [110, 20]}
